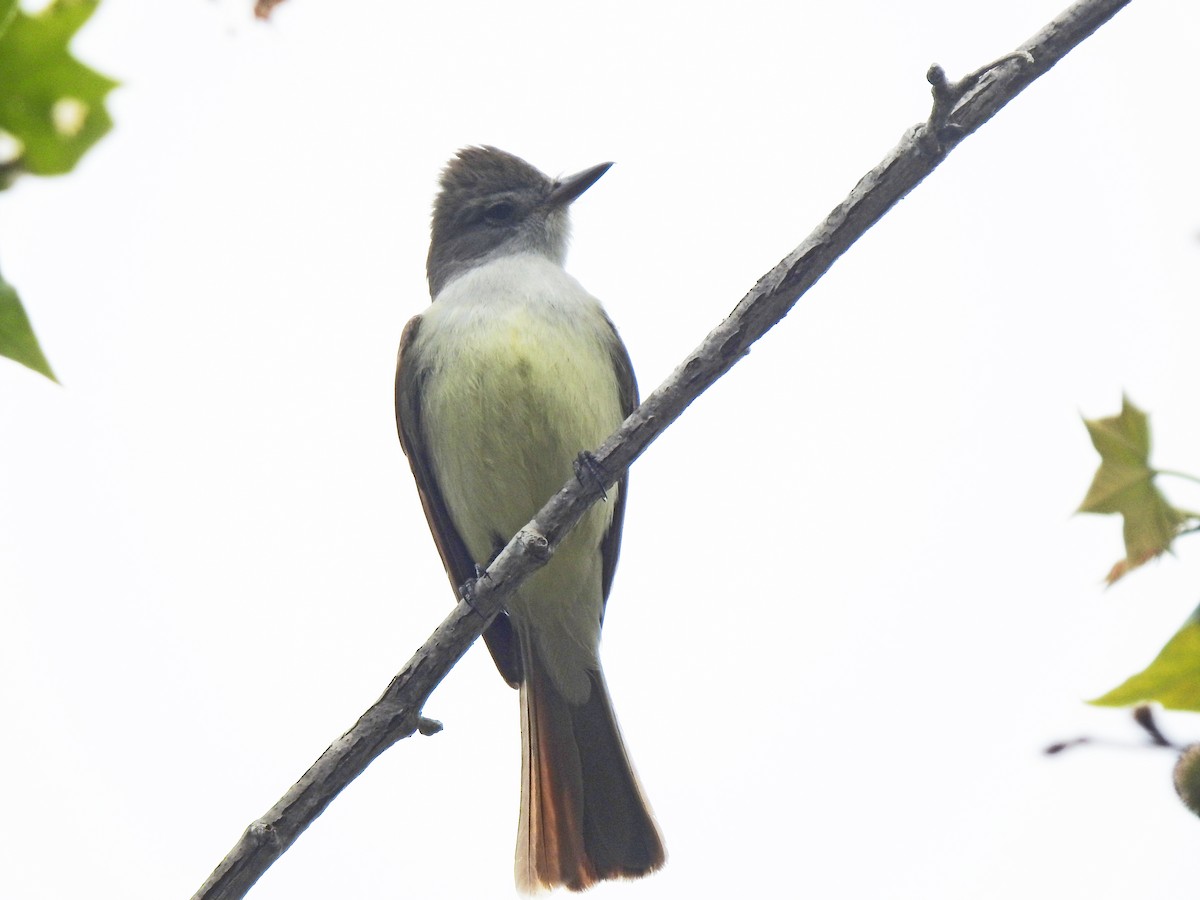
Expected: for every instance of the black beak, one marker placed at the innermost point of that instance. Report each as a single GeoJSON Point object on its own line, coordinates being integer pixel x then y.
{"type": "Point", "coordinates": [567, 190]}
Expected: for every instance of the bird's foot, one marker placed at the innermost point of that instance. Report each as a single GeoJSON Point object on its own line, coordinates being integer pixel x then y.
{"type": "Point", "coordinates": [590, 473]}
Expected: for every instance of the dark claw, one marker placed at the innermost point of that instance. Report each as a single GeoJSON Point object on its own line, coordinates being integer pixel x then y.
{"type": "Point", "coordinates": [466, 590]}
{"type": "Point", "coordinates": [588, 469]}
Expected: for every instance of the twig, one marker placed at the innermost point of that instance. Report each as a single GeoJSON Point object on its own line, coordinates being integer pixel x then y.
{"type": "Point", "coordinates": [396, 714]}
{"type": "Point", "coordinates": [10, 169]}
{"type": "Point", "coordinates": [1143, 716]}
{"type": "Point", "coordinates": [947, 95]}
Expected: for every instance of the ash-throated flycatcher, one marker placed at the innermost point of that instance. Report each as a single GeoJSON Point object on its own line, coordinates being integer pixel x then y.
{"type": "Point", "coordinates": [511, 373]}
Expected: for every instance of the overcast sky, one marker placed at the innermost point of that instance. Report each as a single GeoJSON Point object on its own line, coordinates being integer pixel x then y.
{"type": "Point", "coordinates": [853, 603]}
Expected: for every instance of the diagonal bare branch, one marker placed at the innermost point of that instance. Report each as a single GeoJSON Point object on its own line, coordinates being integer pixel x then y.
{"type": "Point", "coordinates": [959, 109]}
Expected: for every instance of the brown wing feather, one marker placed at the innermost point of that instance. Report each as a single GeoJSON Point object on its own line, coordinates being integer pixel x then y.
{"type": "Point", "coordinates": [611, 548]}
{"type": "Point", "coordinates": [460, 567]}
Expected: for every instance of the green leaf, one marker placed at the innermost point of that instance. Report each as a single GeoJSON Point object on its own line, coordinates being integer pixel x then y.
{"type": "Point", "coordinates": [1124, 484]}
{"type": "Point", "coordinates": [8, 10]}
{"type": "Point", "coordinates": [51, 103]}
{"type": "Point", "coordinates": [1173, 679]}
{"type": "Point", "coordinates": [16, 334]}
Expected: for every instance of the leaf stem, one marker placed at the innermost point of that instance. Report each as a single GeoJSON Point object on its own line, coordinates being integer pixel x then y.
{"type": "Point", "coordinates": [1175, 474]}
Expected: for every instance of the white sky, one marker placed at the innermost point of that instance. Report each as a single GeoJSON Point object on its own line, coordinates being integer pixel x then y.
{"type": "Point", "coordinates": [853, 604]}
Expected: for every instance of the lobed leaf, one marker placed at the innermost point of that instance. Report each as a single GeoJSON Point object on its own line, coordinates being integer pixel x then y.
{"type": "Point", "coordinates": [1124, 484]}
{"type": "Point", "coordinates": [52, 104]}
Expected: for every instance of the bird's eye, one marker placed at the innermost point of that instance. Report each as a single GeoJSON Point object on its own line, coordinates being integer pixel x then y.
{"type": "Point", "coordinates": [499, 213]}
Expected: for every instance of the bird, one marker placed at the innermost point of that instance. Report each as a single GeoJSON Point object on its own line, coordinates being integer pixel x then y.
{"type": "Point", "coordinates": [510, 374]}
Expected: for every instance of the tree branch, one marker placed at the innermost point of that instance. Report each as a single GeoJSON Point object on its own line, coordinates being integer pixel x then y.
{"type": "Point", "coordinates": [959, 109]}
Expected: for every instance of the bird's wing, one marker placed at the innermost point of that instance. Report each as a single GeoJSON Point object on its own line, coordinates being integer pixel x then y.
{"type": "Point", "coordinates": [410, 376]}
{"type": "Point", "coordinates": [611, 546]}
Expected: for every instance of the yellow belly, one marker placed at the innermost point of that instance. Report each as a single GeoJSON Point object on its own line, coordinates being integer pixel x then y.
{"type": "Point", "coordinates": [518, 390]}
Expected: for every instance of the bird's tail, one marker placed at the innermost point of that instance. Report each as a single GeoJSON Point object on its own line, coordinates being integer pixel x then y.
{"type": "Point", "coordinates": [583, 816]}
